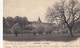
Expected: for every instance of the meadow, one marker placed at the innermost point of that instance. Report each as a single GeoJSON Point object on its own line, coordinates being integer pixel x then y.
{"type": "Point", "coordinates": [50, 37]}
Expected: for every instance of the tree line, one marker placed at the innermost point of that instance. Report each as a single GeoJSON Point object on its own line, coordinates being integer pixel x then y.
{"type": "Point", "coordinates": [21, 25]}
{"type": "Point", "coordinates": [14, 23]}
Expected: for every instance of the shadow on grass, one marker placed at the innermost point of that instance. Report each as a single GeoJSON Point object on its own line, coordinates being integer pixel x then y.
{"type": "Point", "coordinates": [56, 38]}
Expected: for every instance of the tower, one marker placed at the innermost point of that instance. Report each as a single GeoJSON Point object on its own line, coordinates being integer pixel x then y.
{"type": "Point", "coordinates": [39, 20]}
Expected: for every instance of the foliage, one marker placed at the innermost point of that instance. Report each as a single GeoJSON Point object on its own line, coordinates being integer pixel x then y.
{"type": "Point", "coordinates": [5, 23]}
{"type": "Point", "coordinates": [40, 28]}
{"type": "Point", "coordinates": [16, 29]}
{"type": "Point", "coordinates": [21, 20]}
{"type": "Point", "coordinates": [67, 12]}
{"type": "Point", "coordinates": [49, 29]}
{"type": "Point", "coordinates": [10, 21]}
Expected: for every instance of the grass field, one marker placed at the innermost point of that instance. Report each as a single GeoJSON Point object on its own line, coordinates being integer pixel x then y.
{"type": "Point", "coordinates": [41, 41]}
{"type": "Point", "coordinates": [41, 44]}
{"type": "Point", "coordinates": [44, 37]}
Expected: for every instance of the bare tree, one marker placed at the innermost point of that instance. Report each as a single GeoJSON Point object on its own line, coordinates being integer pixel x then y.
{"type": "Point", "coordinates": [66, 11]}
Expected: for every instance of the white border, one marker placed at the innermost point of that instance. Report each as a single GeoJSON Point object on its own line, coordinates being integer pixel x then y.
{"type": "Point", "coordinates": [1, 23]}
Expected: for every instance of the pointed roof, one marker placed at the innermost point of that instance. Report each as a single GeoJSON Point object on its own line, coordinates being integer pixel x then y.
{"type": "Point", "coordinates": [39, 20]}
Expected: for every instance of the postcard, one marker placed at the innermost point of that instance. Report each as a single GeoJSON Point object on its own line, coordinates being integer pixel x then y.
{"type": "Point", "coordinates": [41, 23]}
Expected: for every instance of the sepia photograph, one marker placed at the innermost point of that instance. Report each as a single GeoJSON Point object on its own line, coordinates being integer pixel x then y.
{"type": "Point", "coordinates": [41, 23]}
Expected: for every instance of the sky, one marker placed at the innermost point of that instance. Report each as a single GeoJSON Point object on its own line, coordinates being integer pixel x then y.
{"type": "Point", "coordinates": [32, 9]}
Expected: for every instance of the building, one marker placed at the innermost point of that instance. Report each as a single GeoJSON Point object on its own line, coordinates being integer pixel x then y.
{"type": "Point", "coordinates": [39, 22]}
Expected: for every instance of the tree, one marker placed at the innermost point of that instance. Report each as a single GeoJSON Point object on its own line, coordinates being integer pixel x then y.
{"type": "Point", "coordinates": [49, 29]}
{"type": "Point", "coordinates": [5, 26]}
{"type": "Point", "coordinates": [16, 28]}
{"type": "Point", "coordinates": [5, 23]}
{"type": "Point", "coordinates": [68, 12]}
{"type": "Point", "coordinates": [18, 19]}
{"type": "Point", "coordinates": [10, 21]}
{"type": "Point", "coordinates": [40, 28]}
{"type": "Point", "coordinates": [24, 22]}
{"type": "Point", "coordinates": [21, 20]}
